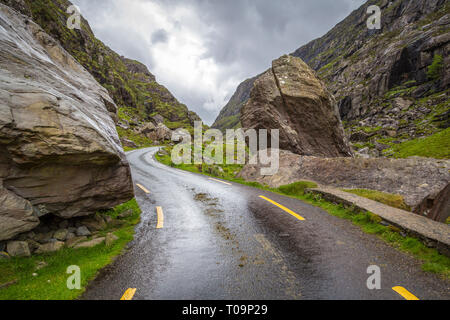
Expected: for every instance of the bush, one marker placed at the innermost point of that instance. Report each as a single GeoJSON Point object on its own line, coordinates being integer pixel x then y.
{"type": "Point", "coordinates": [297, 188]}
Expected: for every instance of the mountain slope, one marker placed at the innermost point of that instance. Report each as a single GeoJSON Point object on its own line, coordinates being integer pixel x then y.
{"type": "Point", "coordinates": [229, 116]}
{"type": "Point", "coordinates": [133, 88]}
{"type": "Point", "coordinates": [392, 85]}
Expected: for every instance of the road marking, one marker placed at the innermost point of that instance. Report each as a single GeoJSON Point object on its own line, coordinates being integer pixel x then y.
{"type": "Point", "coordinates": [405, 293]}
{"type": "Point", "coordinates": [229, 184]}
{"type": "Point", "coordinates": [143, 188]}
{"type": "Point", "coordinates": [160, 214]}
{"type": "Point", "coordinates": [283, 208]}
{"type": "Point", "coordinates": [129, 294]}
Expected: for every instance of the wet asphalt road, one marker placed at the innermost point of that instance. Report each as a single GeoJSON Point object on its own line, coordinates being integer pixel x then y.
{"type": "Point", "coordinates": [222, 241]}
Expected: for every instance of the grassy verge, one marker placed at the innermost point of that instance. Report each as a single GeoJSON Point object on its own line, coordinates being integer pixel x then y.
{"type": "Point", "coordinates": [432, 260]}
{"type": "Point", "coordinates": [49, 283]}
{"type": "Point", "coordinates": [393, 200]}
{"type": "Point", "coordinates": [436, 146]}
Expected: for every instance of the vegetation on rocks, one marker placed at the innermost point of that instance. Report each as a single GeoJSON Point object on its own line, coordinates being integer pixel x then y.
{"type": "Point", "coordinates": [435, 146]}
{"type": "Point", "coordinates": [436, 68]}
{"type": "Point", "coordinates": [393, 200]}
{"type": "Point", "coordinates": [44, 277]}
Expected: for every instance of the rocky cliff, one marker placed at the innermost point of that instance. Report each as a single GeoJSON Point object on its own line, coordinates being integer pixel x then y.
{"type": "Point", "coordinates": [229, 117]}
{"type": "Point", "coordinates": [289, 97]}
{"type": "Point", "coordinates": [133, 88]}
{"type": "Point", "coordinates": [392, 85]}
{"type": "Point", "coordinates": [59, 150]}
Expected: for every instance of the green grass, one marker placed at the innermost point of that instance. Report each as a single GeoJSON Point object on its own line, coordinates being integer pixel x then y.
{"type": "Point", "coordinates": [50, 282]}
{"type": "Point", "coordinates": [225, 171]}
{"type": "Point", "coordinates": [140, 140]}
{"type": "Point", "coordinates": [432, 260]}
{"type": "Point", "coordinates": [393, 200]}
{"type": "Point", "coordinates": [297, 188]}
{"type": "Point", "coordinates": [436, 146]}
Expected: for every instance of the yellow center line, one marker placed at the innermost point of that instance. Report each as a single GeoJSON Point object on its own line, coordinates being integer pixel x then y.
{"type": "Point", "coordinates": [229, 184]}
{"type": "Point", "coordinates": [283, 208]}
{"type": "Point", "coordinates": [129, 294]}
{"type": "Point", "coordinates": [405, 293]}
{"type": "Point", "coordinates": [160, 214]}
{"type": "Point", "coordinates": [143, 188]}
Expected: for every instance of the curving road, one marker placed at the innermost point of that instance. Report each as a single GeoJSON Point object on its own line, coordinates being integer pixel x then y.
{"type": "Point", "coordinates": [221, 240]}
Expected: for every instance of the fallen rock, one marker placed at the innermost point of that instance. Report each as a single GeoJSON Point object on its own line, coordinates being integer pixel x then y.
{"type": "Point", "coordinates": [18, 249]}
{"type": "Point", "coordinates": [290, 97]}
{"type": "Point", "coordinates": [436, 206]}
{"type": "Point", "coordinates": [83, 231]}
{"type": "Point", "coordinates": [110, 239]}
{"type": "Point", "coordinates": [33, 245]}
{"type": "Point", "coordinates": [128, 143]}
{"type": "Point", "coordinates": [108, 219]}
{"type": "Point", "coordinates": [61, 234]}
{"type": "Point", "coordinates": [413, 178]}
{"type": "Point", "coordinates": [95, 223]}
{"type": "Point", "coordinates": [43, 237]}
{"type": "Point", "coordinates": [160, 133]}
{"type": "Point", "coordinates": [70, 235]}
{"type": "Point", "coordinates": [147, 128]}
{"type": "Point", "coordinates": [50, 247]}
{"type": "Point", "coordinates": [16, 213]}
{"type": "Point", "coordinates": [59, 149]}
{"type": "Point", "coordinates": [90, 244]}
{"type": "Point", "coordinates": [74, 241]}
{"type": "Point", "coordinates": [118, 223]}
{"type": "Point", "coordinates": [126, 214]}
{"type": "Point", "coordinates": [158, 119]}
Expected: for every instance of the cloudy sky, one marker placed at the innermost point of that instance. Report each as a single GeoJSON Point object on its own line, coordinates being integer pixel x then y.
{"type": "Point", "coordinates": [201, 50]}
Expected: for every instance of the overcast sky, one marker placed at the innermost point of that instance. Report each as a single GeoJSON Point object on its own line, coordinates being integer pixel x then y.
{"type": "Point", "coordinates": [201, 50]}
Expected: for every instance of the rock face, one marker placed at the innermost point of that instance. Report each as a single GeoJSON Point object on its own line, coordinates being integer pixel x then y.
{"type": "Point", "coordinates": [16, 215]}
{"type": "Point", "coordinates": [414, 178]}
{"type": "Point", "coordinates": [59, 149]}
{"type": "Point", "coordinates": [289, 97]}
{"type": "Point", "coordinates": [380, 78]}
{"type": "Point", "coordinates": [18, 249]}
{"type": "Point", "coordinates": [437, 206]}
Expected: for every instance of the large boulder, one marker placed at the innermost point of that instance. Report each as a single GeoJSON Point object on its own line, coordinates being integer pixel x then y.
{"type": "Point", "coordinates": [290, 97]}
{"type": "Point", "coordinates": [59, 149]}
{"type": "Point", "coordinates": [18, 249]}
{"type": "Point", "coordinates": [16, 214]}
{"type": "Point", "coordinates": [160, 133]}
{"type": "Point", "coordinates": [414, 178]}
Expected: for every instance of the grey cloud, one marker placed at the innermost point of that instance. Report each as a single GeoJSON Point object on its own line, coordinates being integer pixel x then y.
{"type": "Point", "coordinates": [160, 36]}
{"type": "Point", "coordinates": [241, 36]}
